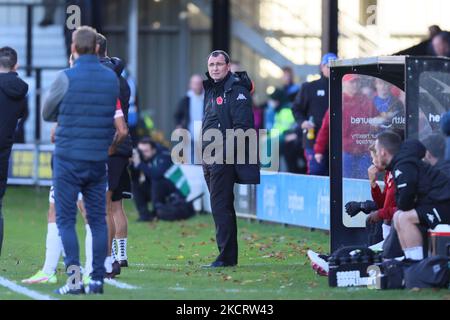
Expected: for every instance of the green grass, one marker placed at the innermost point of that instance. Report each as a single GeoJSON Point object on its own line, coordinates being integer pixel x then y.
{"type": "Point", "coordinates": [166, 258]}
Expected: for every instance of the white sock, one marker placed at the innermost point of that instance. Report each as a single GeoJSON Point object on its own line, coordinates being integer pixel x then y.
{"type": "Point", "coordinates": [122, 244]}
{"type": "Point", "coordinates": [415, 253]}
{"type": "Point", "coordinates": [88, 251]}
{"type": "Point", "coordinates": [108, 264]}
{"type": "Point", "coordinates": [386, 230]}
{"type": "Point", "coordinates": [114, 250]}
{"type": "Point", "coordinates": [54, 248]}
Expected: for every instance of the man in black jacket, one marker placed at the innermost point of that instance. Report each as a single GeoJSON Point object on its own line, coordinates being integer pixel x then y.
{"type": "Point", "coordinates": [119, 184]}
{"type": "Point", "coordinates": [228, 107]}
{"type": "Point", "coordinates": [435, 156]}
{"type": "Point", "coordinates": [423, 192]}
{"type": "Point", "coordinates": [13, 91]}
{"type": "Point", "coordinates": [309, 108]}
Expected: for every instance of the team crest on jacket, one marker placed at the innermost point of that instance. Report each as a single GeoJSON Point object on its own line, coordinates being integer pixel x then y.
{"type": "Point", "coordinates": [219, 101]}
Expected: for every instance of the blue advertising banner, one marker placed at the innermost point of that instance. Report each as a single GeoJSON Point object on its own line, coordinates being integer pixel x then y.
{"type": "Point", "coordinates": [294, 199]}
{"type": "Point", "coordinates": [305, 200]}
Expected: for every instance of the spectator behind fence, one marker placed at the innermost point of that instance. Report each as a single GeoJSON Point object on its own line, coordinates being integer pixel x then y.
{"type": "Point", "coordinates": [309, 108]}
{"type": "Point", "coordinates": [189, 113]}
{"type": "Point", "coordinates": [289, 87]}
{"type": "Point", "coordinates": [321, 147]}
{"type": "Point", "coordinates": [445, 125]}
{"type": "Point", "coordinates": [422, 192]}
{"type": "Point", "coordinates": [284, 123]}
{"type": "Point", "coordinates": [13, 91]}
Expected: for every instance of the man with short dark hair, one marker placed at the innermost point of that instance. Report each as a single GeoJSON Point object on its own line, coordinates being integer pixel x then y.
{"type": "Point", "coordinates": [83, 100]}
{"type": "Point", "coordinates": [169, 187]}
{"type": "Point", "coordinates": [13, 91]}
{"type": "Point", "coordinates": [435, 156]}
{"type": "Point", "coordinates": [423, 193]}
{"type": "Point", "coordinates": [228, 106]}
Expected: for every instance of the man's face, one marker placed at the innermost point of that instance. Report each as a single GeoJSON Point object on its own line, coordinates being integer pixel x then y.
{"type": "Point", "coordinates": [287, 78]}
{"type": "Point", "coordinates": [325, 70]}
{"type": "Point", "coordinates": [196, 85]}
{"type": "Point", "coordinates": [376, 161]}
{"type": "Point", "coordinates": [146, 150]}
{"type": "Point", "coordinates": [218, 68]}
{"type": "Point", "coordinates": [440, 46]}
{"type": "Point", "coordinates": [381, 155]}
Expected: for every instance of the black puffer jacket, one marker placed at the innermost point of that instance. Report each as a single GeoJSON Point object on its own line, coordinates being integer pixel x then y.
{"type": "Point", "coordinates": [443, 166]}
{"type": "Point", "coordinates": [417, 182]}
{"type": "Point", "coordinates": [13, 91]}
{"type": "Point", "coordinates": [233, 104]}
{"type": "Point", "coordinates": [125, 149]}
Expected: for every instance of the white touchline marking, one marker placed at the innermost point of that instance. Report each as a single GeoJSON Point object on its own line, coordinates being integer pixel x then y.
{"type": "Point", "coordinates": [23, 290]}
{"type": "Point", "coordinates": [177, 289]}
{"type": "Point", "coordinates": [120, 285]}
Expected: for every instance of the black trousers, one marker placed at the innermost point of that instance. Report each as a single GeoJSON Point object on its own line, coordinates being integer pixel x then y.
{"type": "Point", "coordinates": [220, 180]}
{"type": "Point", "coordinates": [4, 164]}
{"type": "Point", "coordinates": [294, 155]}
{"type": "Point", "coordinates": [142, 194]}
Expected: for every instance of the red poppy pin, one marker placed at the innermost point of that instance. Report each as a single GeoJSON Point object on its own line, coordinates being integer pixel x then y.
{"type": "Point", "coordinates": [219, 101]}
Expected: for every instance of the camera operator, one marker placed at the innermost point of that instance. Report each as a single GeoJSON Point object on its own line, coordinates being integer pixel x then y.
{"type": "Point", "coordinates": [169, 187]}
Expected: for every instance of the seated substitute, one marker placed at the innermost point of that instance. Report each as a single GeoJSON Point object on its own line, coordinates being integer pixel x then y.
{"type": "Point", "coordinates": [169, 187]}
{"type": "Point", "coordinates": [381, 209]}
{"type": "Point", "coordinates": [422, 191]}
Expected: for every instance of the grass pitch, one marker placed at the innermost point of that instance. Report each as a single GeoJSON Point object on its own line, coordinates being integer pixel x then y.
{"type": "Point", "coordinates": [165, 259]}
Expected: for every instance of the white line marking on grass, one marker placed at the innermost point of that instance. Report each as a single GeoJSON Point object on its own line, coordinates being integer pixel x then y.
{"type": "Point", "coordinates": [120, 285]}
{"type": "Point", "coordinates": [177, 289]}
{"type": "Point", "coordinates": [23, 290]}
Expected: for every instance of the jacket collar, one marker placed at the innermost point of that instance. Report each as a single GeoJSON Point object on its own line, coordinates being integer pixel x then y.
{"type": "Point", "coordinates": [227, 82]}
{"type": "Point", "coordinates": [87, 58]}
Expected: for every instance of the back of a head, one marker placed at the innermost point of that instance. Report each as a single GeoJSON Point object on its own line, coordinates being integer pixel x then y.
{"type": "Point", "coordinates": [434, 30]}
{"type": "Point", "coordinates": [85, 40]}
{"type": "Point", "coordinates": [8, 58]}
{"type": "Point", "coordinates": [435, 144]}
{"type": "Point", "coordinates": [102, 45]}
{"type": "Point", "coordinates": [390, 141]}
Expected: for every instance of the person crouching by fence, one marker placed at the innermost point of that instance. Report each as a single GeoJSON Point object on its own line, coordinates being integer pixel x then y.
{"type": "Point", "coordinates": [169, 187]}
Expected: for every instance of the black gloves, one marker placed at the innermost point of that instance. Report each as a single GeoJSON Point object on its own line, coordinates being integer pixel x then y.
{"type": "Point", "coordinates": [368, 206]}
{"type": "Point", "coordinates": [353, 208]}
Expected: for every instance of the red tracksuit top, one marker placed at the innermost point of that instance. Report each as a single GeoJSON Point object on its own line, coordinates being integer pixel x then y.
{"type": "Point", "coordinates": [385, 200]}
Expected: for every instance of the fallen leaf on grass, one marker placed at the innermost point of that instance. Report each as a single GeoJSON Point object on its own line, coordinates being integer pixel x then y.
{"type": "Point", "coordinates": [226, 277]}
